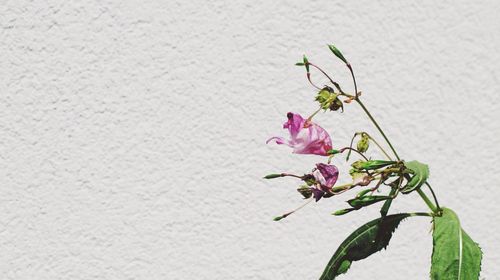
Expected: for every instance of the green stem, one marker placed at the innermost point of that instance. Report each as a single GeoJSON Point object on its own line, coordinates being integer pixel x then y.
{"type": "Point", "coordinates": [420, 214]}
{"type": "Point", "coordinates": [427, 201]}
{"type": "Point", "coordinates": [434, 196]}
{"type": "Point", "coordinates": [352, 149]}
{"type": "Point", "coordinates": [353, 80]}
{"type": "Point", "coordinates": [387, 204]}
{"type": "Point", "coordinates": [378, 145]}
{"type": "Point", "coordinates": [314, 114]}
{"type": "Point", "coordinates": [378, 127]}
{"type": "Point", "coordinates": [340, 188]}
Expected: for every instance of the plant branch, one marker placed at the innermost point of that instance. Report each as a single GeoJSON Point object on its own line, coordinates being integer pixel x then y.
{"type": "Point", "coordinates": [427, 201]}
{"type": "Point", "coordinates": [378, 145]}
{"type": "Point", "coordinates": [354, 81]}
{"type": "Point", "coordinates": [378, 127]}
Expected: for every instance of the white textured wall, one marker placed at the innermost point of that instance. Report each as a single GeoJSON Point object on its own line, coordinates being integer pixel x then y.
{"type": "Point", "coordinates": [132, 133]}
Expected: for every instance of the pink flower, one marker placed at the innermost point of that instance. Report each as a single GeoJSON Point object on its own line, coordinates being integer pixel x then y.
{"type": "Point", "coordinates": [326, 175]}
{"type": "Point", "coordinates": [306, 136]}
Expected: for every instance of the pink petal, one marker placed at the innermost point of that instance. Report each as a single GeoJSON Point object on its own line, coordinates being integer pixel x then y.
{"type": "Point", "coordinates": [329, 174]}
{"type": "Point", "coordinates": [305, 137]}
{"type": "Point", "coordinates": [294, 124]}
{"type": "Point", "coordinates": [278, 140]}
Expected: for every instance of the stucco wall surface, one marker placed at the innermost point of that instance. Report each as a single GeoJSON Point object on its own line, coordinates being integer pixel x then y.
{"type": "Point", "coordinates": [132, 133]}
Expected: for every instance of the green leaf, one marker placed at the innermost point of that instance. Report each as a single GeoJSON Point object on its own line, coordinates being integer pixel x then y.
{"type": "Point", "coordinates": [299, 64]}
{"type": "Point", "coordinates": [455, 256]}
{"type": "Point", "coordinates": [418, 178]}
{"type": "Point", "coordinates": [337, 53]}
{"type": "Point", "coordinates": [366, 240]}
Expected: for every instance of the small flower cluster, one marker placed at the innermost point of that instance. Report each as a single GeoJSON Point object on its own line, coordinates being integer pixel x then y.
{"type": "Point", "coordinates": [307, 137]}
{"type": "Point", "coordinates": [380, 180]}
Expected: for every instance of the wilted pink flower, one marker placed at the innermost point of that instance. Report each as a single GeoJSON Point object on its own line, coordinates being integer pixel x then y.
{"type": "Point", "coordinates": [326, 175]}
{"type": "Point", "coordinates": [306, 137]}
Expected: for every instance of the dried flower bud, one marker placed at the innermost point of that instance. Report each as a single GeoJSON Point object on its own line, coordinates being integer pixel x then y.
{"type": "Point", "coordinates": [328, 99]}
{"type": "Point", "coordinates": [305, 191]}
{"type": "Point", "coordinates": [360, 179]}
{"type": "Point", "coordinates": [326, 175]}
{"type": "Point", "coordinates": [309, 179]}
{"type": "Point", "coordinates": [336, 104]}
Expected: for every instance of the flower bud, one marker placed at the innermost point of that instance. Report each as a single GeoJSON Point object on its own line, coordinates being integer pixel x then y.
{"type": "Point", "coordinates": [272, 176]}
{"type": "Point", "coordinates": [363, 193]}
{"type": "Point", "coordinates": [343, 211]}
{"type": "Point", "coordinates": [278, 218]}
{"type": "Point", "coordinates": [366, 200]}
{"type": "Point", "coordinates": [363, 143]}
{"type": "Point", "coordinates": [371, 164]}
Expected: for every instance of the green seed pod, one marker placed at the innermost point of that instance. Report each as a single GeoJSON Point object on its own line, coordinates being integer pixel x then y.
{"type": "Point", "coordinates": [363, 143]}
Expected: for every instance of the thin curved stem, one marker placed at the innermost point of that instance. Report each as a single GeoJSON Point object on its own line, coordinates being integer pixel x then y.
{"type": "Point", "coordinates": [293, 211]}
{"type": "Point", "coordinates": [378, 127]}
{"type": "Point", "coordinates": [434, 196]}
{"type": "Point", "coordinates": [290, 175]}
{"type": "Point", "coordinates": [350, 146]}
{"type": "Point", "coordinates": [421, 214]}
{"type": "Point", "coordinates": [314, 114]}
{"type": "Point", "coordinates": [353, 80]}
{"type": "Point", "coordinates": [387, 204]}
{"type": "Point", "coordinates": [378, 145]}
{"type": "Point", "coordinates": [311, 82]}
{"type": "Point", "coordinates": [329, 78]}
{"type": "Point", "coordinates": [352, 149]}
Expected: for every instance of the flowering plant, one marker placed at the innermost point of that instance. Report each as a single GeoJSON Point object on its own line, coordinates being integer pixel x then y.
{"type": "Point", "coordinates": [455, 255]}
